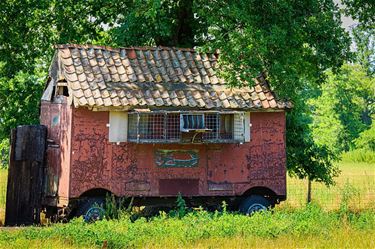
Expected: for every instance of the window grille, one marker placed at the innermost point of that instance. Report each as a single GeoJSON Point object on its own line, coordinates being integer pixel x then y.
{"type": "Point", "coordinates": [212, 124]}
{"type": "Point", "coordinates": [164, 127]}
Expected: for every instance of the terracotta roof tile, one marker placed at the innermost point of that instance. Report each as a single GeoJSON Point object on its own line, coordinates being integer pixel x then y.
{"type": "Point", "coordinates": [155, 76]}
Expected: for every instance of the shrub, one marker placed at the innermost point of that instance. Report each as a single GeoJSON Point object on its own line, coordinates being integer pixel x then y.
{"type": "Point", "coordinates": [366, 139]}
{"type": "Point", "coordinates": [359, 156]}
{"type": "Point", "coordinates": [348, 193]}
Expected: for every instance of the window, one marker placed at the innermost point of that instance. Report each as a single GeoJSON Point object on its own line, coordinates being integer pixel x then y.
{"type": "Point", "coordinates": [176, 127]}
{"type": "Point", "coordinates": [226, 126]}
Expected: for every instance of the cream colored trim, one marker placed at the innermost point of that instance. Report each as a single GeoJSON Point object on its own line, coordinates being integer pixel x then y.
{"type": "Point", "coordinates": [118, 127]}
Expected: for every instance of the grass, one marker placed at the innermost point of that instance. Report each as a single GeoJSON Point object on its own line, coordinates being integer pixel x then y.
{"type": "Point", "coordinates": [305, 227]}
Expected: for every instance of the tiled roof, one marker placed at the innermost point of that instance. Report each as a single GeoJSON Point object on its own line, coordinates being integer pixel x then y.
{"type": "Point", "coordinates": [154, 77]}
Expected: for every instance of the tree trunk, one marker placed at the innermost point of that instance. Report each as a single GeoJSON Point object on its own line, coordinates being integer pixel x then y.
{"type": "Point", "coordinates": [308, 190]}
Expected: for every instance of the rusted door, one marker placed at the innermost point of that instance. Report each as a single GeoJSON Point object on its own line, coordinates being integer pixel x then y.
{"type": "Point", "coordinates": [225, 166]}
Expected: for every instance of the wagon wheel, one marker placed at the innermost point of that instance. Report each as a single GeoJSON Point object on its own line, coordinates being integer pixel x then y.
{"type": "Point", "coordinates": [254, 203]}
{"type": "Point", "coordinates": [92, 209]}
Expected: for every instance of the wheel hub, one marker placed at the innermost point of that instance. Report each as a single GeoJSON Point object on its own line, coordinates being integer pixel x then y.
{"type": "Point", "coordinates": [94, 214]}
{"type": "Point", "coordinates": [255, 207]}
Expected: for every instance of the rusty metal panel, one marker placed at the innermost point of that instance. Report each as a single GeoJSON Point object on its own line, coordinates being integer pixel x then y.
{"type": "Point", "coordinates": [91, 152]}
{"type": "Point", "coordinates": [186, 187]}
{"type": "Point", "coordinates": [129, 169]}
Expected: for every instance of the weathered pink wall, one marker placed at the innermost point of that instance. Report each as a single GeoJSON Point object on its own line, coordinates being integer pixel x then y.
{"type": "Point", "coordinates": [130, 169]}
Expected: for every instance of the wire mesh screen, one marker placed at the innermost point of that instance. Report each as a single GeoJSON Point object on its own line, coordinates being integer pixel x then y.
{"type": "Point", "coordinates": [173, 126]}
{"type": "Point", "coordinates": [212, 124]}
{"type": "Point", "coordinates": [165, 127]}
{"type": "Point", "coordinates": [132, 126]}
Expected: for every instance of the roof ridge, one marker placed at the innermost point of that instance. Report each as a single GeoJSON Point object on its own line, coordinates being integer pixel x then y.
{"type": "Point", "coordinates": [87, 46]}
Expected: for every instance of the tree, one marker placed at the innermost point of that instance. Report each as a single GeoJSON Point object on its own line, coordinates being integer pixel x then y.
{"type": "Point", "coordinates": [344, 108]}
{"type": "Point", "coordinates": [364, 33]}
{"type": "Point", "coordinates": [293, 41]}
{"type": "Point", "coordinates": [364, 39]}
{"type": "Point", "coordinates": [26, 47]}
{"type": "Point", "coordinates": [361, 10]}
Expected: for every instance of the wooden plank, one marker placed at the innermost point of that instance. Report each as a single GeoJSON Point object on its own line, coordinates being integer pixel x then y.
{"type": "Point", "coordinates": [25, 177]}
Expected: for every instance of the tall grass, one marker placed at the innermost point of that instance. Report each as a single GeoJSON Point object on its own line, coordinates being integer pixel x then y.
{"type": "Point", "coordinates": [201, 227]}
{"type": "Point", "coordinates": [3, 192]}
{"type": "Point", "coordinates": [359, 176]}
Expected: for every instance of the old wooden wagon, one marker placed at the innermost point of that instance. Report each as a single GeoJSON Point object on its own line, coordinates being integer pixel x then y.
{"type": "Point", "coordinates": [153, 122]}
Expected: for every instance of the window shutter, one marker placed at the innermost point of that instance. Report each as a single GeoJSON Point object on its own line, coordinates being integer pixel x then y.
{"type": "Point", "coordinates": [238, 127]}
{"type": "Point", "coordinates": [247, 126]}
{"type": "Point", "coordinates": [118, 127]}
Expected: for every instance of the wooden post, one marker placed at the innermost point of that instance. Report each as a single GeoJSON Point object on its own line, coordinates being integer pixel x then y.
{"type": "Point", "coordinates": [25, 176]}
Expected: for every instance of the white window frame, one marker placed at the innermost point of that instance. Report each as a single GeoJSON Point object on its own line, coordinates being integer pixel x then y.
{"type": "Point", "coordinates": [119, 127]}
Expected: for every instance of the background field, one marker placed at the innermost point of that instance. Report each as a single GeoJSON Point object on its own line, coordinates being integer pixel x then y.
{"type": "Point", "coordinates": [356, 180]}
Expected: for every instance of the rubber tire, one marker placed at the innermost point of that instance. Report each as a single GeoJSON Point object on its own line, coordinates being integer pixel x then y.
{"type": "Point", "coordinates": [252, 200]}
{"type": "Point", "coordinates": [87, 204]}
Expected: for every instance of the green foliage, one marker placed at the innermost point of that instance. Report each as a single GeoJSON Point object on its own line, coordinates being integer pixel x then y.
{"type": "Point", "coordinates": [4, 153]}
{"type": "Point", "coordinates": [344, 109]}
{"type": "Point", "coordinates": [18, 101]}
{"type": "Point", "coordinates": [115, 208]}
{"type": "Point", "coordinates": [348, 193]}
{"type": "Point", "coordinates": [361, 10]}
{"type": "Point", "coordinates": [364, 39]}
{"type": "Point", "coordinates": [161, 22]}
{"type": "Point", "coordinates": [305, 158]}
{"type": "Point", "coordinates": [293, 42]}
